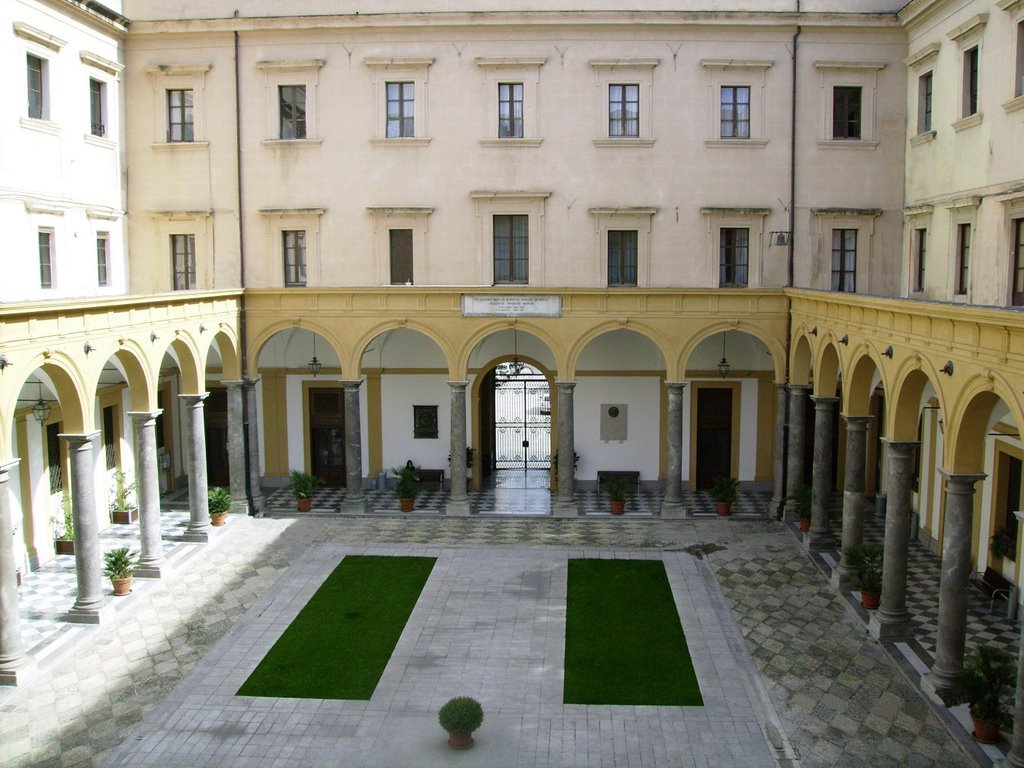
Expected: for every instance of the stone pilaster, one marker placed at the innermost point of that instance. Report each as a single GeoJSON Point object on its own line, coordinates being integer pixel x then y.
{"type": "Point", "coordinates": [256, 500]}
{"type": "Point", "coordinates": [198, 489]}
{"type": "Point", "coordinates": [820, 535]}
{"type": "Point", "coordinates": [458, 500]}
{"type": "Point", "coordinates": [236, 446]}
{"type": "Point", "coordinates": [953, 584]}
{"type": "Point", "coordinates": [779, 459]}
{"type": "Point", "coordinates": [853, 496]}
{"type": "Point", "coordinates": [892, 619]}
{"type": "Point", "coordinates": [565, 502]}
{"type": "Point", "coordinates": [88, 607]}
{"type": "Point", "coordinates": [1016, 755]}
{"type": "Point", "coordinates": [152, 563]}
{"type": "Point", "coordinates": [15, 666]}
{"type": "Point", "coordinates": [355, 497]}
{"type": "Point", "coordinates": [795, 453]}
{"type": "Point", "coordinates": [672, 503]}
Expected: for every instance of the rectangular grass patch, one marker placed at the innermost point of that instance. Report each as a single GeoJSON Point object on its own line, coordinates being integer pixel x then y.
{"type": "Point", "coordinates": [338, 645]}
{"type": "Point", "coordinates": [623, 640]}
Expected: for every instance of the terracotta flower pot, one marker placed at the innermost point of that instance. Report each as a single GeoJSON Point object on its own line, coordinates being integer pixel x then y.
{"type": "Point", "coordinates": [805, 524]}
{"type": "Point", "coordinates": [460, 740]}
{"type": "Point", "coordinates": [125, 516]}
{"type": "Point", "coordinates": [218, 520]}
{"type": "Point", "coordinates": [985, 732]}
{"type": "Point", "coordinates": [122, 586]}
{"type": "Point", "coordinates": [64, 547]}
{"type": "Point", "coordinates": [618, 507]}
{"type": "Point", "coordinates": [304, 505]}
{"type": "Point", "coordinates": [723, 507]}
{"type": "Point", "coordinates": [407, 505]}
{"type": "Point", "coordinates": [869, 600]}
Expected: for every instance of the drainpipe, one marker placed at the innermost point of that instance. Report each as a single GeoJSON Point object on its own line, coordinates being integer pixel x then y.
{"type": "Point", "coordinates": [243, 336]}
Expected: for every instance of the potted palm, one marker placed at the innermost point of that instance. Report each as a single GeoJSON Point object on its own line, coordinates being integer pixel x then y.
{"type": "Point", "coordinates": [119, 565]}
{"type": "Point", "coordinates": [724, 494]}
{"type": "Point", "coordinates": [987, 671]}
{"type": "Point", "coordinates": [460, 717]}
{"type": "Point", "coordinates": [302, 486]}
{"type": "Point", "coordinates": [122, 510]}
{"type": "Point", "coordinates": [219, 504]}
{"type": "Point", "coordinates": [865, 560]}
{"type": "Point", "coordinates": [800, 501]}
{"type": "Point", "coordinates": [616, 487]}
{"type": "Point", "coordinates": [64, 527]}
{"type": "Point", "coordinates": [407, 486]}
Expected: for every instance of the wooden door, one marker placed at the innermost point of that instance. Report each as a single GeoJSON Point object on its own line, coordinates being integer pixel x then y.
{"type": "Point", "coordinates": [215, 414]}
{"type": "Point", "coordinates": [714, 436]}
{"type": "Point", "coordinates": [327, 435]}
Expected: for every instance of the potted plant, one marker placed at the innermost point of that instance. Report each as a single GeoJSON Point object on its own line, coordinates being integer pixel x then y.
{"type": "Point", "coordinates": [219, 504]}
{"type": "Point", "coordinates": [865, 560]}
{"type": "Point", "coordinates": [122, 510]}
{"type": "Point", "coordinates": [1004, 544]}
{"type": "Point", "coordinates": [800, 501]}
{"type": "Point", "coordinates": [302, 486]}
{"type": "Point", "coordinates": [64, 529]}
{"type": "Point", "coordinates": [724, 494]}
{"type": "Point", "coordinates": [407, 486]}
{"type": "Point", "coordinates": [987, 671]}
{"type": "Point", "coordinates": [616, 487]}
{"type": "Point", "coordinates": [460, 717]}
{"type": "Point", "coordinates": [119, 565]}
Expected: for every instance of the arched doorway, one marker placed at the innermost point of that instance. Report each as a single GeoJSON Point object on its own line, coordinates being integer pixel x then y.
{"type": "Point", "coordinates": [516, 411]}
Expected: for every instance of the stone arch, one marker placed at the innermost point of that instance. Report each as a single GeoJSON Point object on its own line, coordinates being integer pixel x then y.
{"type": "Point", "coordinates": [858, 386]}
{"type": "Point", "coordinates": [663, 345]}
{"type": "Point", "coordinates": [968, 421]}
{"type": "Point", "coordinates": [261, 340]}
{"type": "Point", "coordinates": [362, 343]}
{"type": "Point", "coordinates": [827, 371]}
{"type": "Point", "coordinates": [906, 402]}
{"type": "Point", "coordinates": [227, 348]}
{"type": "Point", "coordinates": [472, 343]}
{"type": "Point", "coordinates": [137, 371]}
{"type": "Point", "coordinates": [800, 362]}
{"type": "Point", "coordinates": [775, 349]}
{"type": "Point", "coordinates": [188, 359]}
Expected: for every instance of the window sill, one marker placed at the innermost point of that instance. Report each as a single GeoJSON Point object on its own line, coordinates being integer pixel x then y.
{"type": "Point", "coordinates": [99, 141]}
{"type": "Point", "coordinates": [41, 126]}
{"type": "Point", "coordinates": [625, 141]}
{"type": "Point", "coordinates": [180, 146]}
{"type": "Point", "coordinates": [847, 144]}
{"type": "Point", "coordinates": [401, 142]}
{"type": "Point", "coordinates": [281, 143]}
{"type": "Point", "coordinates": [737, 143]}
{"type": "Point", "coordinates": [510, 142]}
{"type": "Point", "coordinates": [1014, 105]}
{"type": "Point", "coordinates": [968, 122]}
{"type": "Point", "coordinates": [922, 138]}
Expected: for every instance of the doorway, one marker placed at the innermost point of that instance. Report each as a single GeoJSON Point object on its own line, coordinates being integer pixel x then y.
{"type": "Point", "coordinates": [216, 418]}
{"type": "Point", "coordinates": [515, 416]}
{"type": "Point", "coordinates": [714, 436]}
{"type": "Point", "coordinates": [327, 435]}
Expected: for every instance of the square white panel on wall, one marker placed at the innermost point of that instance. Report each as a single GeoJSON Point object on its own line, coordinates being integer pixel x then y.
{"type": "Point", "coordinates": [613, 421]}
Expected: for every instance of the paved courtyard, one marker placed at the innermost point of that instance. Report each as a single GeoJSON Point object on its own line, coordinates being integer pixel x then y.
{"type": "Point", "coordinates": [819, 692]}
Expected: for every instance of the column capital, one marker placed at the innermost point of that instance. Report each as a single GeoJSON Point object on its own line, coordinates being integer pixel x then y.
{"type": "Point", "coordinates": [195, 398]}
{"type": "Point", "coordinates": [457, 384]}
{"type": "Point", "coordinates": [5, 469]}
{"type": "Point", "coordinates": [824, 402]}
{"type": "Point", "coordinates": [798, 388]}
{"type": "Point", "coordinates": [238, 384]}
{"type": "Point", "coordinates": [960, 482]}
{"type": "Point", "coordinates": [145, 416]}
{"type": "Point", "coordinates": [901, 447]}
{"type": "Point", "coordinates": [780, 384]}
{"type": "Point", "coordinates": [567, 386]}
{"type": "Point", "coordinates": [856, 423]}
{"type": "Point", "coordinates": [351, 383]}
{"type": "Point", "coordinates": [676, 386]}
{"type": "Point", "coordinates": [82, 439]}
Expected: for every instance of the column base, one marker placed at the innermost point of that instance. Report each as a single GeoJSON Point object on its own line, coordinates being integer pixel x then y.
{"type": "Point", "coordinates": [457, 508]}
{"type": "Point", "coordinates": [934, 685]}
{"type": "Point", "coordinates": [673, 508]}
{"type": "Point", "coordinates": [891, 627]}
{"type": "Point", "coordinates": [197, 535]}
{"type": "Point", "coordinates": [1015, 760]}
{"type": "Point", "coordinates": [354, 505]}
{"type": "Point", "coordinates": [562, 508]}
{"type": "Point", "coordinates": [842, 580]}
{"type": "Point", "coordinates": [20, 673]}
{"type": "Point", "coordinates": [155, 569]}
{"type": "Point", "coordinates": [96, 615]}
{"type": "Point", "coordinates": [819, 541]}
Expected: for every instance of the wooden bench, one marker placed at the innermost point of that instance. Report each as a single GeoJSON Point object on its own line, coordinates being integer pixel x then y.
{"type": "Point", "coordinates": [630, 476]}
{"type": "Point", "coordinates": [431, 476]}
{"type": "Point", "coordinates": [993, 586]}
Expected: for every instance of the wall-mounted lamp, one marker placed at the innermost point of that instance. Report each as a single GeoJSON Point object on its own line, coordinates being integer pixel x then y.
{"type": "Point", "coordinates": [845, 341]}
{"type": "Point", "coordinates": [947, 368]}
{"type": "Point", "coordinates": [4, 362]}
{"type": "Point", "coordinates": [41, 410]}
{"type": "Point", "coordinates": [87, 348]}
{"type": "Point", "coordinates": [814, 331]}
{"type": "Point", "coordinates": [153, 336]}
{"type": "Point", "coordinates": [723, 364]}
{"type": "Point", "coordinates": [778, 238]}
{"type": "Point", "coordinates": [314, 364]}
{"type": "Point", "coordinates": [888, 352]}
{"type": "Point", "coordinates": [202, 328]}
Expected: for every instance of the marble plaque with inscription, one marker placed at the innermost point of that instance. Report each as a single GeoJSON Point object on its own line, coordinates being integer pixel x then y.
{"type": "Point", "coordinates": [511, 305]}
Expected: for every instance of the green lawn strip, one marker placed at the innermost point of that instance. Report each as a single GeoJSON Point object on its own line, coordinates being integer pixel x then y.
{"type": "Point", "coordinates": [623, 640]}
{"type": "Point", "coordinates": [338, 645]}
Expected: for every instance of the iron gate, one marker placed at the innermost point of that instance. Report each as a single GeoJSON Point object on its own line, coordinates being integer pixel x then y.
{"type": "Point", "coordinates": [522, 423]}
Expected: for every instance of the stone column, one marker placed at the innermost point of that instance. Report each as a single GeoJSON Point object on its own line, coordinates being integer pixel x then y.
{"type": "Point", "coordinates": [892, 619]}
{"type": "Point", "coordinates": [795, 456]}
{"type": "Point", "coordinates": [236, 446]}
{"type": "Point", "coordinates": [88, 559]}
{"type": "Point", "coordinates": [779, 460]}
{"type": "Point", "coordinates": [953, 584]}
{"type": "Point", "coordinates": [147, 485]}
{"type": "Point", "coordinates": [15, 666]}
{"type": "Point", "coordinates": [672, 504]}
{"type": "Point", "coordinates": [820, 535]}
{"type": "Point", "coordinates": [1016, 755]}
{"type": "Point", "coordinates": [256, 500]}
{"type": "Point", "coordinates": [355, 497]}
{"type": "Point", "coordinates": [458, 501]}
{"type": "Point", "coordinates": [198, 489]}
{"type": "Point", "coordinates": [853, 496]}
{"type": "Point", "coordinates": [565, 503]}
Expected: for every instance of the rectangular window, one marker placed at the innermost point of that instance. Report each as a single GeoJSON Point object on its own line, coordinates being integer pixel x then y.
{"type": "Point", "coordinates": [733, 256]}
{"type": "Point", "coordinates": [401, 118]}
{"type": "Point", "coordinates": [735, 110]}
{"type": "Point", "coordinates": [46, 258]}
{"type": "Point", "coordinates": [846, 103]}
{"type": "Point", "coordinates": [292, 103]}
{"type": "Point", "coordinates": [963, 258]}
{"type": "Point", "coordinates": [102, 259]}
{"type": "Point", "coordinates": [180, 126]}
{"type": "Point", "coordinates": [622, 248]}
{"type": "Point", "coordinates": [510, 110]}
{"type": "Point", "coordinates": [109, 437]}
{"type": "Point", "coordinates": [970, 82]}
{"type": "Point", "coordinates": [511, 249]}
{"type": "Point", "coordinates": [1018, 262]}
{"type": "Point", "coordinates": [1018, 80]}
{"type": "Point", "coordinates": [624, 110]}
{"type": "Point", "coordinates": [97, 97]}
{"type": "Point", "coordinates": [920, 252]}
{"type": "Point", "coordinates": [844, 260]}
{"type": "Point", "coordinates": [36, 83]}
{"type": "Point", "coordinates": [183, 254]}
{"type": "Point", "coordinates": [924, 103]}
{"type": "Point", "coordinates": [400, 242]}
{"type": "Point", "coordinates": [294, 246]}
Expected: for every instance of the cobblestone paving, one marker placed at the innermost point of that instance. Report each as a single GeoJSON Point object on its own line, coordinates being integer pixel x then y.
{"type": "Point", "coordinates": [840, 700]}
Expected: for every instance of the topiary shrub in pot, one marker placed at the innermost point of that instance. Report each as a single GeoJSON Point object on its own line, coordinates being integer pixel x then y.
{"type": "Point", "coordinates": [302, 486]}
{"type": "Point", "coordinates": [724, 493]}
{"type": "Point", "coordinates": [986, 673]}
{"type": "Point", "coordinates": [407, 485]}
{"type": "Point", "coordinates": [218, 504]}
{"type": "Point", "coordinates": [865, 560]}
{"type": "Point", "coordinates": [119, 564]}
{"type": "Point", "coordinates": [460, 717]}
{"type": "Point", "coordinates": [616, 487]}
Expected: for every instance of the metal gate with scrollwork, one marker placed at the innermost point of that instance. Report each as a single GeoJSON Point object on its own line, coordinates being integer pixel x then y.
{"type": "Point", "coordinates": [522, 423]}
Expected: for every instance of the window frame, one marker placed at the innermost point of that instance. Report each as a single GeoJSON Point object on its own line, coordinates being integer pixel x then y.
{"type": "Point", "coordinates": [523, 70]}
{"type": "Point", "coordinates": [843, 275]}
{"type": "Point", "coordinates": [413, 70]}
{"type": "Point", "coordinates": [861, 219]}
{"type": "Point", "coordinates": [971, 79]}
{"type": "Point", "coordinates": [627, 241]}
{"type": "Point", "coordinates": [925, 102]}
{"type": "Point", "coordinates": [969, 37]}
{"type": "Point", "coordinates": [849, 128]}
{"type": "Point", "coordinates": [295, 275]}
{"type": "Point", "coordinates": [291, 124]}
{"type": "Point", "coordinates": [102, 259]}
{"type": "Point", "coordinates": [507, 113]}
{"type": "Point", "coordinates": [181, 131]}
{"type": "Point", "coordinates": [754, 220]}
{"type": "Point", "coordinates": [736, 121]}
{"type": "Point", "coordinates": [610, 219]}
{"type": "Point", "coordinates": [518, 246]}
{"type": "Point", "coordinates": [845, 74]}
{"type": "Point", "coordinates": [40, 111]}
{"type": "Point", "coordinates": [491, 202]}
{"type": "Point", "coordinates": [46, 241]}
{"type": "Point", "coordinates": [624, 72]}
{"type": "Point", "coordinates": [964, 242]}
{"type": "Point", "coordinates": [290, 73]}
{"type": "Point", "coordinates": [1017, 261]}
{"type": "Point", "coordinates": [97, 107]}
{"type": "Point", "coordinates": [619, 102]}
{"type": "Point", "coordinates": [179, 77]}
{"type": "Point", "coordinates": [387, 218]}
{"type": "Point", "coordinates": [189, 264]}
{"type": "Point", "coordinates": [277, 221]}
{"type": "Point", "coordinates": [920, 260]}
{"type": "Point", "coordinates": [405, 100]}
{"type": "Point", "coordinates": [723, 263]}
{"type": "Point", "coordinates": [738, 72]}
{"type": "Point", "coordinates": [392, 232]}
